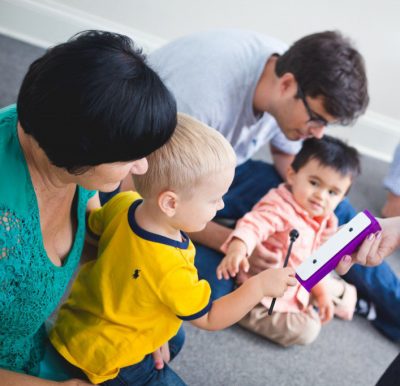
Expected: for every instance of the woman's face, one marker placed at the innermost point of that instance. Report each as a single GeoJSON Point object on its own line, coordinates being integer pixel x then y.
{"type": "Point", "coordinates": [107, 177]}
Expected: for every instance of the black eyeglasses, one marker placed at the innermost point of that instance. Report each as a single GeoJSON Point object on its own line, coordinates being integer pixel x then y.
{"type": "Point", "coordinates": [315, 120]}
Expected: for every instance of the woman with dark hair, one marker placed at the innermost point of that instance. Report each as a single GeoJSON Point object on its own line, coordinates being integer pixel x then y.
{"type": "Point", "coordinates": [88, 113]}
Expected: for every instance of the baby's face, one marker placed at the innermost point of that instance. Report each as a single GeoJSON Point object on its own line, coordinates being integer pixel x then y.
{"type": "Point", "coordinates": [318, 189]}
{"type": "Point", "coordinates": [195, 211]}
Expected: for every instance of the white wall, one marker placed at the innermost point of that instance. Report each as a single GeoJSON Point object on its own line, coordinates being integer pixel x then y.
{"type": "Point", "coordinates": [373, 26]}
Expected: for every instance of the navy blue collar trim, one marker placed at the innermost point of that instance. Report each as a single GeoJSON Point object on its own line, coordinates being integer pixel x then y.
{"type": "Point", "coordinates": [153, 236]}
{"type": "Point", "coordinates": [199, 314]}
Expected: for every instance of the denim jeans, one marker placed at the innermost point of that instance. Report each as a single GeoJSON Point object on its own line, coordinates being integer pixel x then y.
{"type": "Point", "coordinates": [380, 286]}
{"type": "Point", "coordinates": [144, 372]}
{"type": "Point", "coordinates": [56, 368]}
{"type": "Point", "coordinates": [252, 181]}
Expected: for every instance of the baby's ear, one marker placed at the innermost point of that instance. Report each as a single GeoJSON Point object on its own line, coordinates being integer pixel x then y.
{"type": "Point", "coordinates": [289, 175]}
{"type": "Point", "coordinates": [168, 202]}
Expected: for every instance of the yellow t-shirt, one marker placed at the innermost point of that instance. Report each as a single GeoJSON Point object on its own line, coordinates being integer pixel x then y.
{"type": "Point", "coordinates": [132, 299]}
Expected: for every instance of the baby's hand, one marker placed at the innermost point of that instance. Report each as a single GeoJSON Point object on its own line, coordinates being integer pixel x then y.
{"type": "Point", "coordinates": [276, 281]}
{"type": "Point", "coordinates": [230, 265]}
{"type": "Point", "coordinates": [234, 260]}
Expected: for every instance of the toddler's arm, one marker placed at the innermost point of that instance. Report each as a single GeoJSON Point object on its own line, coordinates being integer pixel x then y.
{"type": "Point", "coordinates": [231, 308]}
{"type": "Point", "coordinates": [236, 257]}
{"type": "Point", "coordinates": [266, 218]}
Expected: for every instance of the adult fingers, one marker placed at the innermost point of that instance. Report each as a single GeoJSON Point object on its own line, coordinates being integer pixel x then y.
{"type": "Point", "coordinates": [344, 265]}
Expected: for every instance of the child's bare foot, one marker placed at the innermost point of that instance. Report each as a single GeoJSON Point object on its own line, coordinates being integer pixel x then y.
{"type": "Point", "coordinates": [344, 297]}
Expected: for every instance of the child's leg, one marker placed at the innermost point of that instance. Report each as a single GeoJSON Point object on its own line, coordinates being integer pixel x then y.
{"type": "Point", "coordinates": [381, 286]}
{"type": "Point", "coordinates": [285, 329]}
{"type": "Point", "coordinates": [144, 373]}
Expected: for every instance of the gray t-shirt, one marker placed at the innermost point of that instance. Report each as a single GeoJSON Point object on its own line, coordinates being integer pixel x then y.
{"type": "Point", "coordinates": [392, 180]}
{"type": "Point", "coordinates": [213, 76]}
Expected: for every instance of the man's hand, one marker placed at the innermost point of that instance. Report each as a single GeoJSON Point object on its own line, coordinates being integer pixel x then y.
{"type": "Point", "coordinates": [263, 258]}
{"type": "Point", "coordinates": [375, 247]}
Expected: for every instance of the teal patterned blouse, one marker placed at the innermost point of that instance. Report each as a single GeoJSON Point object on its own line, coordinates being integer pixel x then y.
{"type": "Point", "coordinates": [31, 286]}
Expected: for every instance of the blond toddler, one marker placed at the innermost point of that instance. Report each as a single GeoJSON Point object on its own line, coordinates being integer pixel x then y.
{"type": "Point", "coordinates": [133, 298]}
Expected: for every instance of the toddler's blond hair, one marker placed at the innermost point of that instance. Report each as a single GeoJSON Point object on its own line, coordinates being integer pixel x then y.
{"type": "Point", "coordinates": [194, 151]}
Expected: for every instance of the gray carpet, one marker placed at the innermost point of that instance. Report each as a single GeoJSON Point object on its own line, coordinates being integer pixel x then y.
{"type": "Point", "coordinates": [346, 353]}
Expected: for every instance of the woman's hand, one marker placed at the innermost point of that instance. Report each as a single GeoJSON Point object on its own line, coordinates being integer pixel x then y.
{"type": "Point", "coordinates": [375, 247]}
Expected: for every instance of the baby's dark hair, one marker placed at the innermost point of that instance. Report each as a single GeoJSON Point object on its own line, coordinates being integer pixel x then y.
{"type": "Point", "coordinates": [330, 152]}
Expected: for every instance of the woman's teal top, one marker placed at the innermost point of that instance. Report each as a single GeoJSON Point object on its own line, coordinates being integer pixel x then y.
{"type": "Point", "coordinates": [31, 286]}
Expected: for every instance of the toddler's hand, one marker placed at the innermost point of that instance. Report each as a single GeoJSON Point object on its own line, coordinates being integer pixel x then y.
{"type": "Point", "coordinates": [235, 258]}
{"type": "Point", "coordinates": [230, 265]}
{"type": "Point", "coordinates": [276, 281]}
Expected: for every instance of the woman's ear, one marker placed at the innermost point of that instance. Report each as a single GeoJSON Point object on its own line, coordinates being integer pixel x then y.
{"type": "Point", "coordinates": [168, 202]}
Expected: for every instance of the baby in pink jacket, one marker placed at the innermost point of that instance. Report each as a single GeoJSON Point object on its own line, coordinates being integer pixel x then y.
{"type": "Point", "coordinates": [318, 179]}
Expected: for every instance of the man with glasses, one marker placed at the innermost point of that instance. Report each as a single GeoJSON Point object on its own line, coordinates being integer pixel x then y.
{"type": "Point", "coordinates": [255, 91]}
{"type": "Point", "coordinates": [315, 120]}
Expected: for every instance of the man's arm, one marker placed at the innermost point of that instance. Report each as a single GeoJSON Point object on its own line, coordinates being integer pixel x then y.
{"type": "Point", "coordinates": [212, 236]}
{"type": "Point", "coordinates": [281, 160]}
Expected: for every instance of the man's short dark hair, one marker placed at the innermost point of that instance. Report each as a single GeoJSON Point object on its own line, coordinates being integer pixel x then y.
{"type": "Point", "coordinates": [326, 64]}
{"type": "Point", "coordinates": [94, 100]}
{"type": "Point", "coordinates": [330, 152]}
